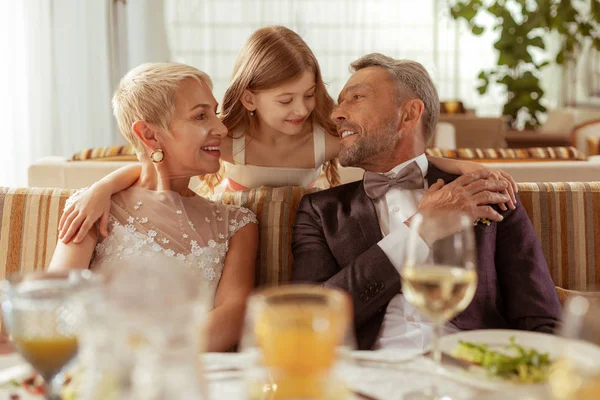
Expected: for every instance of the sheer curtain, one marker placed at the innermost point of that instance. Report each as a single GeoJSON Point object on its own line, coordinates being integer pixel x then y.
{"type": "Point", "coordinates": [57, 85]}
{"type": "Point", "coordinates": [13, 102]}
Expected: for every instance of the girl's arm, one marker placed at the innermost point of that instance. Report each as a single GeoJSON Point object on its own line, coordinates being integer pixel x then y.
{"type": "Point", "coordinates": [94, 204]}
{"type": "Point", "coordinates": [461, 167]}
{"type": "Point", "coordinates": [72, 255]}
{"type": "Point", "coordinates": [237, 281]}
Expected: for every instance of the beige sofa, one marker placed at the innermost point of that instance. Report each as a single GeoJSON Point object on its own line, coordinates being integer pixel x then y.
{"type": "Point", "coordinates": [58, 172]}
{"type": "Point", "coordinates": [565, 216]}
{"type": "Point", "coordinates": [64, 174]}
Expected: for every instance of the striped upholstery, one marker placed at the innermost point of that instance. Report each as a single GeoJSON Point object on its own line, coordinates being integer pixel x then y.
{"type": "Point", "coordinates": [29, 227]}
{"type": "Point", "coordinates": [275, 209]}
{"type": "Point", "coordinates": [110, 153]}
{"type": "Point", "coordinates": [511, 155]}
{"type": "Point", "coordinates": [593, 145]}
{"type": "Point", "coordinates": [126, 153]}
{"type": "Point", "coordinates": [566, 217]}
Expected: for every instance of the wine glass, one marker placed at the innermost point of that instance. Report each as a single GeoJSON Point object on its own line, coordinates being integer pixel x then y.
{"type": "Point", "coordinates": [295, 337]}
{"type": "Point", "coordinates": [439, 274]}
{"type": "Point", "coordinates": [576, 375]}
{"type": "Point", "coordinates": [43, 319]}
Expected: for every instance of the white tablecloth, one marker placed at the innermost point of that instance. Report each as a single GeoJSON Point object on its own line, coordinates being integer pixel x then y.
{"type": "Point", "coordinates": [383, 382]}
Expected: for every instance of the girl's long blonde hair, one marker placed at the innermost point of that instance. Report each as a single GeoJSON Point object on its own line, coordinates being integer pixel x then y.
{"type": "Point", "coordinates": [272, 56]}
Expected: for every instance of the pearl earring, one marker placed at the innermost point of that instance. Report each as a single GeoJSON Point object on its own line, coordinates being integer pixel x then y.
{"type": "Point", "coordinates": [157, 156]}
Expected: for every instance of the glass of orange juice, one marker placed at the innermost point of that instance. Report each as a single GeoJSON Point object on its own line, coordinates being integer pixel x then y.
{"type": "Point", "coordinates": [42, 318]}
{"type": "Point", "coordinates": [295, 337]}
{"type": "Point", "coordinates": [576, 374]}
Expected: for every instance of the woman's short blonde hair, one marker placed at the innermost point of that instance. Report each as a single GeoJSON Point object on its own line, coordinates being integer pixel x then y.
{"type": "Point", "coordinates": [147, 93]}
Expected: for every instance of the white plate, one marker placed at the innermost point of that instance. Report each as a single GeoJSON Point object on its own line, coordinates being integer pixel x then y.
{"type": "Point", "coordinates": [13, 367]}
{"type": "Point", "coordinates": [387, 356]}
{"type": "Point", "coordinates": [585, 354]}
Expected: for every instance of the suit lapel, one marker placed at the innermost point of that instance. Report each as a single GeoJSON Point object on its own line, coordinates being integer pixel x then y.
{"type": "Point", "coordinates": [363, 212]}
{"type": "Point", "coordinates": [434, 173]}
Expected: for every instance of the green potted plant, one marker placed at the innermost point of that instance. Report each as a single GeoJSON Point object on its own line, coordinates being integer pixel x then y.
{"type": "Point", "coordinates": [522, 25]}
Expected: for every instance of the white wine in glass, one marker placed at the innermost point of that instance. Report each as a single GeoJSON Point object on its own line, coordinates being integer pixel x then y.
{"type": "Point", "coordinates": [439, 291]}
{"type": "Point", "coordinates": [439, 275]}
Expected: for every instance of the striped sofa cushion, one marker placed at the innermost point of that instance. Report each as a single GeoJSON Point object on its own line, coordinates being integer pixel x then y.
{"type": "Point", "coordinates": [29, 229]}
{"type": "Point", "coordinates": [109, 153]}
{"type": "Point", "coordinates": [566, 218]}
{"type": "Point", "coordinates": [30, 216]}
{"type": "Point", "coordinates": [275, 209]}
{"type": "Point", "coordinates": [593, 145]}
{"type": "Point", "coordinates": [511, 155]}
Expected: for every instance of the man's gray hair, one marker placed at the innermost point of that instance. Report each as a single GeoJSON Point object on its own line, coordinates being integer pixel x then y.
{"type": "Point", "coordinates": [411, 79]}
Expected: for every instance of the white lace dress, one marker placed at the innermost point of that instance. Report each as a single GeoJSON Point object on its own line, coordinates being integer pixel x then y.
{"type": "Point", "coordinates": [165, 228]}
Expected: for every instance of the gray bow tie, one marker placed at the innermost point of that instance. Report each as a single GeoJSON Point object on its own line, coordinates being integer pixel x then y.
{"type": "Point", "coordinates": [409, 177]}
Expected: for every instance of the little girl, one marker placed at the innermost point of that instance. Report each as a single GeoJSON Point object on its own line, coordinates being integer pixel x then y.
{"type": "Point", "coordinates": [277, 112]}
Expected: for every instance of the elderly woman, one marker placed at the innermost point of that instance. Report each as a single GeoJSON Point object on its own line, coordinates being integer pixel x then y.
{"type": "Point", "coordinates": [168, 113]}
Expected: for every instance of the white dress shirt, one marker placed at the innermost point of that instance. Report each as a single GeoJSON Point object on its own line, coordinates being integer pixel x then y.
{"type": "Point", "coordinates": [403, 326]}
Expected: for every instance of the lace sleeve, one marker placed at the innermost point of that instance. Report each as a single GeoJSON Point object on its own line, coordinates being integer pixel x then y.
{"type": "Point", "coordinates": [74, 198]}
{"type": "Point", "coordinates": [238, 218]}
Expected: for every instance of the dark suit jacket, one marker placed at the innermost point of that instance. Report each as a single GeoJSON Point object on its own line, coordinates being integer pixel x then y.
{"type": "Point", "coordinates": [335, 243]}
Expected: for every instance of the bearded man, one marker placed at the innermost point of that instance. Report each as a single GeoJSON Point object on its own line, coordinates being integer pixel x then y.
{"type": "Point", "coordinates": [353, 237]}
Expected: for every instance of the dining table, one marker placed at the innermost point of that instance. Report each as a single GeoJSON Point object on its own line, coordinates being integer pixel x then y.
{"type": "Point", "coordinates": [370, 376]}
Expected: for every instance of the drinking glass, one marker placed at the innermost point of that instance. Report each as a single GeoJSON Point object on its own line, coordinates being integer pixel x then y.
{"type": "Point", "coordinates": [43, 319]}
{"type": "Point", "coordinates": [576, 375]}
{"type": "Point", "coordinates": [439, 275]}
{"type": "Point", "coordinates": [295, 337]}
{"type": "Point", "coordinates": [144, 331]}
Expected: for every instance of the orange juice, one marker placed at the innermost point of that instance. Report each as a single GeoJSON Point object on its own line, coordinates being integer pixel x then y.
{"type": "Point", "coordinates": [334, 390]}
{"type": "Point", "coordinates": [299, 344]}
{"type": "Point", "coordinates": [299, 338]}
{"type": "Point", "coordinates": [47, 355]}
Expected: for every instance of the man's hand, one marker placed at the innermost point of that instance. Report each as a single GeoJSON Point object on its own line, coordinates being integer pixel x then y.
{"type": "Point", "coordinates": [472, 193]}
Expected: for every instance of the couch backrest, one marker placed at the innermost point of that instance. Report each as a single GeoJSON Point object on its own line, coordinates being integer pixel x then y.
{"type": "Point", "coordinates": [29, 229]}
{"type": "Point", "coordinates": [566, 218]}
{"type": "Point", "coordinates": [126, 152]}
{"type": "Point", "coordinates": [496, 155]}
{"type": "Point", "coordinates": [275, 209]}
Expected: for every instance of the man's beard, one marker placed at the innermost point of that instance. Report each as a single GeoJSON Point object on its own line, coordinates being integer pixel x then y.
{"type": "Point", "coordinates": [379, 143]}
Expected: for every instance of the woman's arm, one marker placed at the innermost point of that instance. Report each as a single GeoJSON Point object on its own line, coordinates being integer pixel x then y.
{"type": "Point", "coordinates": [74, 255]}
{"type": "Point", "coordinates": [237, 281]}
{"type": "Point", "coordinates": [94, 204]}
{"type": "Point", "coordinates": [461, 167]}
